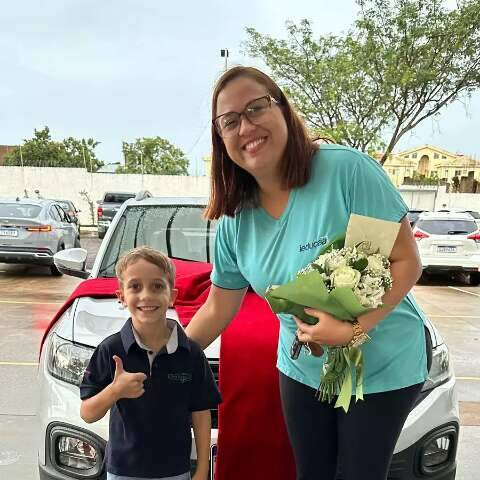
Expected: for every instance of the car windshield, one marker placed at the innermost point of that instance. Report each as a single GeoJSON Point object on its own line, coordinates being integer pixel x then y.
{"type": "Point", "coordinates": [179, 230]}
{"type": "Point", "coordinates": [475, 215]}
{"type": "Point", "coordinates": [19, 210]}
{"type": "Point", "coordinates": [447, 227]}
{"type": "Point", "coordinates": [118, 197]}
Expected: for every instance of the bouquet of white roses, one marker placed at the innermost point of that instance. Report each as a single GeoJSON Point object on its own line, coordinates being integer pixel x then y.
{"type": "Point", "coordinates": [347, 279]}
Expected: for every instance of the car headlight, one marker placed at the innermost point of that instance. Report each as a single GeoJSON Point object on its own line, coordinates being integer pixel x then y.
{"type": "Point", "coordinates": [441, 370]}
{"type": "Point", "coordinates": [67, 360]}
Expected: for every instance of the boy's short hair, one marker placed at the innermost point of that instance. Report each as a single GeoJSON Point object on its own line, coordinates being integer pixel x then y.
{"type": "Point", "coordinates": [150, 255]}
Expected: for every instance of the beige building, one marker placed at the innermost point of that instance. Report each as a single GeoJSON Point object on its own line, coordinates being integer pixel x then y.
{"type": "Point", "coordinates": [430, 161]}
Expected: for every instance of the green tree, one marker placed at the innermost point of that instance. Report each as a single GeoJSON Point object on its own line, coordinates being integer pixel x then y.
{"type": "Point", "coordinates": [400, 63]}
{"type": "Point", "coordinates": [153, 155]}
{"type": "Point", "coordinates": [42, 151]}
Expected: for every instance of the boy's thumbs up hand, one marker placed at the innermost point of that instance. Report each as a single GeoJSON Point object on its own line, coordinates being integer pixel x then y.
{"type": "Point", "coordinates": [126, 384]}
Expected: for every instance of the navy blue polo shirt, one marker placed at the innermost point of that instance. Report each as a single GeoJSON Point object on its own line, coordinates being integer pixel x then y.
{"type": "Point", "coordinates": [150, 436]}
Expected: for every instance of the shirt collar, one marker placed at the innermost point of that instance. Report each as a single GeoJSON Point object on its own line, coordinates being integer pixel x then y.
{"type": "Point", "coordinates": [178, 338]}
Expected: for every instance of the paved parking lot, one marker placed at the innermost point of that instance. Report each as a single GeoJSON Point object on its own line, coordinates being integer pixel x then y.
{"type": "Point", "coordinates": [29, 297]}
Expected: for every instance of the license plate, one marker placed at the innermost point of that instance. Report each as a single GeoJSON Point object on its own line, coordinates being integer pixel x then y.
{"type": "Point", "coordinates": [7, 232]}
{"type": "Point", "coordinates": [447, 249]}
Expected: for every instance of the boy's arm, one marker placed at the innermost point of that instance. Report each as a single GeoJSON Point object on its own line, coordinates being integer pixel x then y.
{"type": "Point", "coordinates": [124, 385]}
{"type": "Point", "coordinates": [95, 408]}
{"type": "Point", "coordinates": [202, 424]}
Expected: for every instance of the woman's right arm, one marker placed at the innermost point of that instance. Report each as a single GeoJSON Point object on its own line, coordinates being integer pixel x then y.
{"type": "Point", "coordinates": [214, 315]}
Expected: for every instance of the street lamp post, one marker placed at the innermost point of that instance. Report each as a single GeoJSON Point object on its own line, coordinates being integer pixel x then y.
{"type": "Point", "coordinates": [224, 54]}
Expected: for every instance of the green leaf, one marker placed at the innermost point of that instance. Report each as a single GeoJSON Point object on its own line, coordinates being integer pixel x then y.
{"type": "Point", "coordinates": [361, 264]}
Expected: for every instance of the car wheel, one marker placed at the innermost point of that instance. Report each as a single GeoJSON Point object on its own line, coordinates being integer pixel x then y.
{"type": "Point", "coordinates": [101, 234]}
{"type": "Point", "coordinates": [77, 244]}
{"type": "Point", "coordinates": [475, 279]}
{"type": "Point", "coordinates": [53, 269]}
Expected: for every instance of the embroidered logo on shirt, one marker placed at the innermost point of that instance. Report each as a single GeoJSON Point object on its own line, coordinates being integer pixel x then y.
{"type": "Point", "coordinates": [313, 244]}
{"type": "Point", "coordinates": [180, 377]}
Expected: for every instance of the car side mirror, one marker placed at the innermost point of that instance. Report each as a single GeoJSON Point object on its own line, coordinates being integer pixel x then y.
{"type": "Point", "coordinates": [72, 262]}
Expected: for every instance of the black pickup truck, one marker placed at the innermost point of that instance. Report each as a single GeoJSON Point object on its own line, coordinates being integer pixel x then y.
{"type": "Point", "coordinates": [108, 207]}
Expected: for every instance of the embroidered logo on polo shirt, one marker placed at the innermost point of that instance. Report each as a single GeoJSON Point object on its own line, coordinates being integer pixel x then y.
{"type": "Point", "coordinates": [180, 377]}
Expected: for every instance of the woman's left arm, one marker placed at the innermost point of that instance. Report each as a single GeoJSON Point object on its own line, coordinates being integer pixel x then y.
{"type": "Point", "coordinates": [406, 269]}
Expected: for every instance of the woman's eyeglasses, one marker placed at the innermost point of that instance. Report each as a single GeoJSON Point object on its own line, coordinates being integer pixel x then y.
{"type": "Point", "coordinates": [228, 124]}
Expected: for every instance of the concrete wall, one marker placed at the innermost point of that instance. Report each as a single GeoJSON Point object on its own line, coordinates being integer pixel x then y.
{"type": "Point", "coordinates": [67, 183]}
{"type": "Point", "coordinates": [436, 198]}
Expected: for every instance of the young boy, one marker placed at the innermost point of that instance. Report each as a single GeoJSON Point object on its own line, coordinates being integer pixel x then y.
{"type": "Point", "coordinates": [155, 381]}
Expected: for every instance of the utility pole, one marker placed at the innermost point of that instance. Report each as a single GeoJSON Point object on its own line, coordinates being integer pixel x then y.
{"type": "Point", "coordinates": [224, 54]}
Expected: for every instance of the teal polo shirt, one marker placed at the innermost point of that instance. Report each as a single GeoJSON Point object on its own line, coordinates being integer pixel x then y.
{"type": "Point", "coordinates": [253, 248]}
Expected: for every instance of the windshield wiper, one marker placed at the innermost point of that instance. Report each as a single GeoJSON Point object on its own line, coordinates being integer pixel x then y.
{"type": "Point", "coordinates": [456, 232]}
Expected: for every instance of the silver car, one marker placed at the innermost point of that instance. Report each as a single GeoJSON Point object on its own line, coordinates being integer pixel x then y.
{"type": "Point", "coordinates": [32, 231]}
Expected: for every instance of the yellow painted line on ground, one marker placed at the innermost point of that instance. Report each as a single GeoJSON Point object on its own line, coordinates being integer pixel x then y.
{"type": "Point", "coordinates": [30, 303]}
{"type": "Point", "coordinates": [470, 379]}
{"type": "Point", "coordinates": [464, 291]}
{"type": "Point", "coordinates": [21, 364]}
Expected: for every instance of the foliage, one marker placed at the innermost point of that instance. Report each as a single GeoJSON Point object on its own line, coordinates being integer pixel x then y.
{"type": "Point", "coordinates": [153, 155]}
{"type": "Point", "coordinates": [42, 151]}
{"type": "Point", "coordinates": [400, 63]}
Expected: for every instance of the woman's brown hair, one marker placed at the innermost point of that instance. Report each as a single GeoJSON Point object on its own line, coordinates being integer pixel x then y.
{"type": "Point", "coordinates": [231, 187]}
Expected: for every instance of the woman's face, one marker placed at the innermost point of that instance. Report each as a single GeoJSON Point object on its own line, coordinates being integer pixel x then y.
{"type": "Point", "coordinates": [257, 148]}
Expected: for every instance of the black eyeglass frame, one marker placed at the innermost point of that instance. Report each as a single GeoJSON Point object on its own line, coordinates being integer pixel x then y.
{"type": "Point", "coordinates": [243, 113]}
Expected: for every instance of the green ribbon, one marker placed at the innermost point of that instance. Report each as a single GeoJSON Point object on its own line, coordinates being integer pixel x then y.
{"type": "Point", "coordinates": [354, 359]}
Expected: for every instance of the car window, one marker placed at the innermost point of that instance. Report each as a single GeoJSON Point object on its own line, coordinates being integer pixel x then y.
{"type": "Point", "coordinates": [475, 215]}
{"type": "Point", "coordinates": [65, 206]}
{"type": "Point", "coordinates": [62, 213]}
{"type": "Point", "coordinates": [118, 197]}
{"type": "Point", "coordinates": [447, 226]}
{"type": "Point", "coordinates": [179, 231]}
{"type": "Point", "coordinates": [54, 213]}
{"type": "Point", "coordinates": [19, 210]}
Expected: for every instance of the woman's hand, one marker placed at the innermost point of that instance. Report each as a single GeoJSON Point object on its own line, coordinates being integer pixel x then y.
{"type": "Point", "coordinates": [327, 331]}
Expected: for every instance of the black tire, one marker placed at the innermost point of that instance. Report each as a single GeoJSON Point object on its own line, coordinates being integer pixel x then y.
{"type": "Point", "coordinates": [101, 234]}
{"type": "Point", "coordinates": [77, 244]}
{"type": "Point", "coordinates": [53, 269]}
{"type": "Point", "coordinates": [475, 279]}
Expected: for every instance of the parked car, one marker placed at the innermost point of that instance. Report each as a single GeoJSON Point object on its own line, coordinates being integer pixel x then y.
{"type": "Point", "coordinates": [70, 208]}
{"type": "Point", "coordinates": [69, 448]}
{"type": "Point", "coordinates": [412, 216]}
{"type": "Point", "coordinates": [449, 241]}
{"type": "Point", "coordinates": [108, 207]}
{"type": "Point", "coordinates": [32, 231]}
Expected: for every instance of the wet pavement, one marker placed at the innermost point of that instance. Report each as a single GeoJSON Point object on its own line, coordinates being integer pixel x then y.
{"type": "Point", "coordinates": [29, 297]}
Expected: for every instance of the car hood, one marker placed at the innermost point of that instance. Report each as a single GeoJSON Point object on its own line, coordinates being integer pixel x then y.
{"type": "Point", "coordinates": [96, 318]}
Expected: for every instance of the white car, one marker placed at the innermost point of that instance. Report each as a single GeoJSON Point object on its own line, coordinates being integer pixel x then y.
{"type": "Point", "coordinates": [473, 213]}
{"type": "Point", "coordinates": [71, 449]}
{"type": "Point", "coordinates": [449, 241]}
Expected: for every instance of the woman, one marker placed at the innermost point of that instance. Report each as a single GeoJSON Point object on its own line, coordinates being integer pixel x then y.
{"type": "Point", "coordinates": [280, 198]}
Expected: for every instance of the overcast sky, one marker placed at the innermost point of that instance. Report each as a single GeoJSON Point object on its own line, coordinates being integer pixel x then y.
{"type": "Point", "coordinates": [119, 70]}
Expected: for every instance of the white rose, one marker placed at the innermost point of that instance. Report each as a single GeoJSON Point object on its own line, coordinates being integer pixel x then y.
{"type": "Point", "coordinates": [345, 277]}
{"type": "Point", "coordinates": [335, 262]}
{"type": "Point", "coordinates": [375, 263]}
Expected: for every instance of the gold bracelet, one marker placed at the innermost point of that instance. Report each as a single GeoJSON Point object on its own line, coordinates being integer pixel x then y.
{"type": "Point", "coordinates": [359, 335]}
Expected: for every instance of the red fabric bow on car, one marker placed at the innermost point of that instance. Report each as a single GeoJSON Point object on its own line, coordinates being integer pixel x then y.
{"type": "Point", "coordinates": [252, 439]}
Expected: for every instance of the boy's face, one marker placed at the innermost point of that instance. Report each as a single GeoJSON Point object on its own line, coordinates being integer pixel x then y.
{"type": "Point", "coordinates": [146, 292]}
